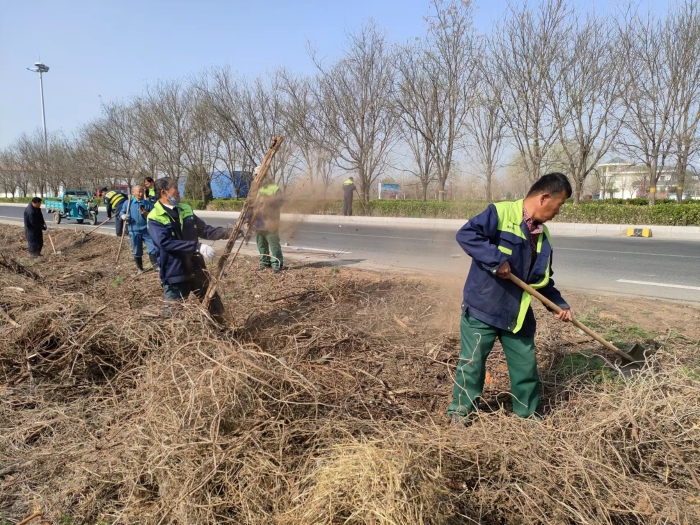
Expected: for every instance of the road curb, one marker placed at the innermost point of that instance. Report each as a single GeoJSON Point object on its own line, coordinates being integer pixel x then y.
{"type": "Point", "coordinates": [567, 229]}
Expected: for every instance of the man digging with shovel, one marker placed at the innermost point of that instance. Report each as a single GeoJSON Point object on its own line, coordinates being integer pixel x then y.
{"type": "Point", "coordinates": [507, 237]}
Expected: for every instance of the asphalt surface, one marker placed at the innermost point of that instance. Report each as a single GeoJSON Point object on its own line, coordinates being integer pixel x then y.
{"type": "Point", "coordinates": [666, 269]}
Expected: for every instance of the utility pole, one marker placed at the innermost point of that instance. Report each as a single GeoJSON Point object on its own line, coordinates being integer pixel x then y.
{"type": "Point", "coordinates": [41, 69]}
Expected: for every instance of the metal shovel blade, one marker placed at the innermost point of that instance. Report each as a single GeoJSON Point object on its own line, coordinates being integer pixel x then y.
{"type": "Point", "coordinates": [639, 356]}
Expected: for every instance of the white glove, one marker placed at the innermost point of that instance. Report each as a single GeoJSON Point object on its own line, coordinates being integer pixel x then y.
{"type": "Point", "coordinates": [124, 216]}
{"type": "Point", "coordinates": [207, 252]}
{"type": "Point", "coordinates": [47, 229]}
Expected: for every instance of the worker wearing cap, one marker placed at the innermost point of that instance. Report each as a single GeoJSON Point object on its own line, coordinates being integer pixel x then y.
{"type": "Point", "coordinates": [348, 192]}
{"type": "Point", "coordinates": [176, 231]}
{"type": "Point", "coordinates": [135, 215]}
{"type": "Point", "coordinates": [150, 191]}
{"type": "Point", "coordinates": [507, 237]}
{"type": "Point", "coordinates": [113, 202]}
{"type": "Point", "coordinates": [34, 226]}
{"type": "Point", "coordinates": [266, 223]}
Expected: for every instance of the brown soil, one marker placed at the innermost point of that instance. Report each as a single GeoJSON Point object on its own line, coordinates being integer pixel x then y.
{"type": "Point", "coordinates": [322, 401]}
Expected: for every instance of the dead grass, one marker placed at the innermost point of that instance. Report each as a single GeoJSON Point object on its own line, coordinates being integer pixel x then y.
{"type": "Point", "coordinates": [315, 406]}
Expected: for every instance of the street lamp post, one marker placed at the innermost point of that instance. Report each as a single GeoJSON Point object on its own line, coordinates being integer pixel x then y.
{"type": "Point", "coordinates": [41, 69]}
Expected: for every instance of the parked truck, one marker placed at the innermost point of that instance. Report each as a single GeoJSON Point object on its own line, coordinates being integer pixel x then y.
{"type": "Point", "coordinates": [72, 204]}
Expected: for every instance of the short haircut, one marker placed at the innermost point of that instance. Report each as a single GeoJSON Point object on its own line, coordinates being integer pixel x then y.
{"type": "Point", "coordinates": [552, 184]}
{"type": "Point", "coordinates": [103, 190]}
{"type": "Point", "coordinates": [36, 200]}
{"type": "Point", "coordinates": [163, 184]}
{"type": "Point", "coordinates": [148, 179]}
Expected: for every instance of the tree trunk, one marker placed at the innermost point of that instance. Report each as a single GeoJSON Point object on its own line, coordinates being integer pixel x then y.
{"type": "Point", "coordinates": [578, 187]}
{"type": "Point", "coordinates": [441, 190]}
{"type": "Point", "coordinates": [489, 178]}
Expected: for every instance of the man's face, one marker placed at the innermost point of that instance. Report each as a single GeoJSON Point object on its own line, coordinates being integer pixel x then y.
{"type": "Point", "coordinates": [549, 205]}
{"type": "Point", "coordinates": [138, 193]}
{"type": "Point", "coordinates": [148, 184]}
{"type": "Point", "coordinates": [36, 204]}
{"type": "Point", "coordinates": [173, 193]}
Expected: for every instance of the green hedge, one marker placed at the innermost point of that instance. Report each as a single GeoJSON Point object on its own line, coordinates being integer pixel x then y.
{"type": "Point", "coordinates": [602, 212]}
{"type": "Point", "coordinates": [660, 214]}
{"type": "Point", "coordinates": [19, 200]}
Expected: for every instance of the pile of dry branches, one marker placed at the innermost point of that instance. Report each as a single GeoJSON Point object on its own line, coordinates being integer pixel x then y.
{"type": "Point", "coordinates": [322, 403]}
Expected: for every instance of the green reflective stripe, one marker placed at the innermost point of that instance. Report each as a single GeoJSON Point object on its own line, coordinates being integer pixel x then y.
{"type": "Point", "coordinates": [269, 190]}
{"type": "Point", "coordinates": [510, 216]}
{"type": "Point", "coordinates": [525, 299]}
{"type": "Point", "coordinates": [348, 182]}
{"type": "Point", "coordinates": [524, 305]}
{"type": "Point", "coordinates": [505, 250]}
{"type": "Point", "coordinates": [159, 214]}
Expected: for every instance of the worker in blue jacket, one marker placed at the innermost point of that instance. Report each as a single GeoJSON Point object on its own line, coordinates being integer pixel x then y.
{"type": "Point", "coordinates": [176, 231]}
{"type": "Point", "coordinates": [507, 237]}
{"type": "Point", "coordinates": [135, 215]}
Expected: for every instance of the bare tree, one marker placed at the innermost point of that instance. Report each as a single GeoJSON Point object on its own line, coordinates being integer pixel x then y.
{"type": "Point", "coordinates": [417, 107]}
{"type": "Point", "coordinates": [435, 86]}
{"type": "Point", "coordinates": [525, 49]}
{"type": "Point", "coordinates": [650, 95]}
{"type": "Point", "coordinates": [586, 102]}
{"type": "Point", "coordinates": [354, 97]}
{"type": "Point", "coordinates": [308, 130]}
{"type": "Point", "coordinates": [682, 37]}
{"type": "Point", "coordinates": [486, 123]}
{"type": "Point", "coordinates": [165, 113]}
{"type": "Point", "coordinates": [118, 133]}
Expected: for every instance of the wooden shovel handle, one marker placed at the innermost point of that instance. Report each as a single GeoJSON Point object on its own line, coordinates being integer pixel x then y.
{"type": "Point", "coordinates": [529, 289]}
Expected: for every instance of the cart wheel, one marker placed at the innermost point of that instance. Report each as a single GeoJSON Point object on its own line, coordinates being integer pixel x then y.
{"type": "Point", "coordinates": [57, 217]}
{"type": "Point", "coordinates": [92, 219]}
{"type": "Point", "coordinates": [79, 221]}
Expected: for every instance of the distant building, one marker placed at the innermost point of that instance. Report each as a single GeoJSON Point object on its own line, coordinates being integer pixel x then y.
{"type": "Point", "coordinates": [622, 179]}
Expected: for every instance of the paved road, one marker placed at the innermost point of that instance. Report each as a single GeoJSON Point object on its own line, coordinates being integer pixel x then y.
{"type": "Point", "coordinates": [658, 268]}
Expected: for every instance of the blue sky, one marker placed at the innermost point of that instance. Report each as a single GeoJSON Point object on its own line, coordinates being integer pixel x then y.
{"type": "Point", "coordinates": [112, 49]}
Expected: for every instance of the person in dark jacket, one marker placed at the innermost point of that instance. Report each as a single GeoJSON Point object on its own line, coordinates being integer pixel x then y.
{"type": "Point", "coordinates": [507, 237]}
{"type": "Point", "coordinates": [137, 225]}
{"type": "Point", "coordinates": [175, 231]}
{"type": "Point", "coordinates": [34, 226]}
{"type": "Point", "coordinates": [348, 192]}
{"type": "Point", "coordinates": [113, 202]}
{"type": "Point", "coordinates": [267, 224]}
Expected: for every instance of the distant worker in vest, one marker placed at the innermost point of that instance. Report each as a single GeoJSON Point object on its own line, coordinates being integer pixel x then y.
{"type": "Point", "coordinates": [507, 237]}
{"type": "Point", "coordinates": [267, 223]}
{"type": "Point", "coordinates": [176, 231]}
{"type": "Point", "coordinates": [348, 191]}
{"type": "Point", "coordinates": [150, 189]}
{"type": "Point", "coordinates": [137, 225]}
{"type": "Point", "coordinates": [113, 202]}
{"type": "Point", "coordinates": [34, 226]}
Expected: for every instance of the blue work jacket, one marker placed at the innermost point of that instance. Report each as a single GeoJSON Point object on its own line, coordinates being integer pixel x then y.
{"type": "Point", "coordinates": [497, 235]}
{"type": "Point", "coordinates": [136, 221]}
{"type": "Point", "coordinates": [178, 244]}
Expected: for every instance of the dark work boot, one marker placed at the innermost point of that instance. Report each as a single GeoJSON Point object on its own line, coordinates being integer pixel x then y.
{"type": "Point", "coordinates": [154, 261]}
{"type": "Point", "coordinates": [139, 265]}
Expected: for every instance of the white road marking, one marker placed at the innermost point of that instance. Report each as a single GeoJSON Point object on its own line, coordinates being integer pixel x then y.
{"type": "Point", "coordinates": [663, 285]}
{"type": "Point", "coordinates": [628, 253]}
{"type": "Point", "coordinates": [296, 248]}
{"type": "Point", "coordinates": [378, 236]}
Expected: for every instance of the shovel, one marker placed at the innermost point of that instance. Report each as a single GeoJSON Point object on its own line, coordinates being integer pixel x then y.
{"type": "Point", "coordinates": [634, 359]}
{"type": "Point", "coordinates": [52, 246]}
{"type": "Point", "coordinates": [95, 228]}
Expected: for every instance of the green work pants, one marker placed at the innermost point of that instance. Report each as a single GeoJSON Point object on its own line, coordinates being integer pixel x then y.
{"type": "Point", "coordinates": [269, 244]}
{"type": "Point", "coordinates": [477, 340]}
